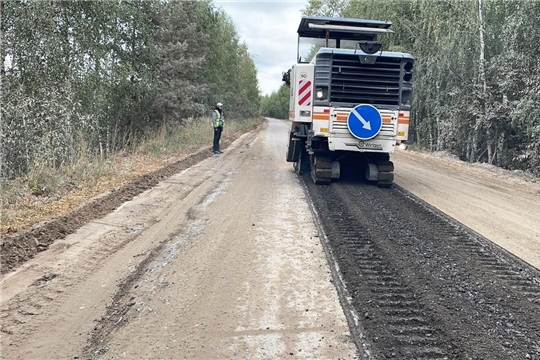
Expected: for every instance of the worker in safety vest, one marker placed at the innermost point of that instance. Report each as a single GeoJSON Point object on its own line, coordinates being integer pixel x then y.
{"type": "Point", "coordinates": [217, 124]}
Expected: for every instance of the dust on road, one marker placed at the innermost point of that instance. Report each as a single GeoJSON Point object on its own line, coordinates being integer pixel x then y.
{"type": "Point", "coordinates": [219, 261]}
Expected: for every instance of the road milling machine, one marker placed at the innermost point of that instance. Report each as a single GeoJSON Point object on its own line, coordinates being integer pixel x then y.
{"type": "Point", "coordinates": [349, 100]}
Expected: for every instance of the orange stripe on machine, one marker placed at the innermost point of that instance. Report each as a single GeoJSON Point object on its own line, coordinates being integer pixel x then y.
{"type": "Point", "coordinates": [320, 116]}
{"type": "Point", "coordinates": [403, 120]}
{"type": "Point", "coordinates": [387, 119]}
{"type": "Point", "coordinates": [403, 117]}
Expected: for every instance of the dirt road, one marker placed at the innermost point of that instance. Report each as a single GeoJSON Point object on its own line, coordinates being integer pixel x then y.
{"type": "Point", "coordinates": [219, 261]}
{"type": "Point", "coordinates": [223, 260]}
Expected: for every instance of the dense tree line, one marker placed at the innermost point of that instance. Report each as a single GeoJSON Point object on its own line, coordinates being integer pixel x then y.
{"type": "Point", "coordinates": [276, 105]}
{"type": "Point", "coordinates": [477, 73]}
{"type": "Point", "coordinates": [102, 74]}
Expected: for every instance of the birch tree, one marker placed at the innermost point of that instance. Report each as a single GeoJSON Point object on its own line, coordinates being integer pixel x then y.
{"type": "Point", "coordinates": [101, 75]}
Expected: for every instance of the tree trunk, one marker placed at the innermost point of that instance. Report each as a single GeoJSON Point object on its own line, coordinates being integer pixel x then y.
{"type": "Point", "coordinates": [440, 144]}
{"type": "Point", "coordinates": [2, 64]}
{"type": "Point", "coordinates": [500, 147]}
{"type": "Point", "coordinates": [417, 138]}
{"type": "Point", "coordinates": [470, 147]}
{"type": "Point", "coordinates": [2, 45]}
{"type": "Point", "coordinates": [482, 120]}
{"type": "Point", "coordinates": [431, 137]}
{"type": "Point", "coordinates": [489, 141]}
{"type": "Point", "coordinates": [475, 141]}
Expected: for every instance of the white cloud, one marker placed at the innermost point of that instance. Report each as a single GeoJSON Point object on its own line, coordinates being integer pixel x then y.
{"type": "Point", "coordinates": [269, 29]}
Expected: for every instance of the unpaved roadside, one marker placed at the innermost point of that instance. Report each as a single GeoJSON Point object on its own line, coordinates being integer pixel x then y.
{"type": "Point", "coordinates": [219, 261]}
{"type": "Point", "coordinates": [18, 248]}
{"type": "Point", "coordinates": [492, 202]}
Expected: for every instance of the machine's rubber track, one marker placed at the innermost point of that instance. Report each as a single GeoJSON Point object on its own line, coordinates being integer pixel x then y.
{"type": "Point", "coordinates": [386, 173]}
{"type": "Point", "coordinates": [321, 169]}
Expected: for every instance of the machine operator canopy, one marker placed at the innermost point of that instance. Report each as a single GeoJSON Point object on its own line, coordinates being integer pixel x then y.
{"type": "Point", "coordinates": [342, 28]}
{"type": "Point", "coordinates": [317, 32]}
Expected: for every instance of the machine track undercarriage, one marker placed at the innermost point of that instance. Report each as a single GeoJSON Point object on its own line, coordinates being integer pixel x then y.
{"type": "Point", "coordinates": [321, 169]}
{"type": "Point", "coordinates": [324, 165]}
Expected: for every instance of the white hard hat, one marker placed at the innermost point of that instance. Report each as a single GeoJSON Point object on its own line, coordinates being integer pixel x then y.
{"type": "Point", "coordinates": [219, 104]}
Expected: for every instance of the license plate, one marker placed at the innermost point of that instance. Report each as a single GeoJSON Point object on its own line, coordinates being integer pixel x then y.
{"type": "Point", "coordinates": [324, 130]}
{"type": "Point", "coordinates": [401, 133]}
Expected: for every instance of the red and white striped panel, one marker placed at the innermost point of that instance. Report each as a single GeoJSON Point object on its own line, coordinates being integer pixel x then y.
{"type": "Point", "coordinates": [304, 92]}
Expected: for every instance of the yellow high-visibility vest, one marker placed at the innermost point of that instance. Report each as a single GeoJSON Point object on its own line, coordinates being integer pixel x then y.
{"type": "Point", "coordinates": [218, 118]}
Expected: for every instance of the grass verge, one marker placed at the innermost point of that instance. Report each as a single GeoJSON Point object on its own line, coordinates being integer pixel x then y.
{"type": "Point", "coordinates": [45, 193]}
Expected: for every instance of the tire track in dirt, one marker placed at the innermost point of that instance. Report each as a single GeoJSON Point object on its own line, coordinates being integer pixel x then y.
{"type": "Point", "coordinates": [23, 246]}
{"type": "Point", "coordinates": [51, 304]}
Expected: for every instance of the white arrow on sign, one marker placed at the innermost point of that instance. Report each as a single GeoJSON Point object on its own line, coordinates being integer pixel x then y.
{"type": "Point", "coordinates": [366, 124]}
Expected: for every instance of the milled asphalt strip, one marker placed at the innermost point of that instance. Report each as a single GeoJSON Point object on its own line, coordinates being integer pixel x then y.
{"type": "Point", "coordinates": [480, 239]}
{"type": "Point", "coordinates": [356, 329]}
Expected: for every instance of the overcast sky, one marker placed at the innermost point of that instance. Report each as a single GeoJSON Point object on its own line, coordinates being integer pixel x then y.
{"type": "Point", "coordinates": [269, 29]}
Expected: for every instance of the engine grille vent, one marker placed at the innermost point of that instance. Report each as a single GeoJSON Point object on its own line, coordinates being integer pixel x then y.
{"type": "Point", "coordinates": [356, 83]}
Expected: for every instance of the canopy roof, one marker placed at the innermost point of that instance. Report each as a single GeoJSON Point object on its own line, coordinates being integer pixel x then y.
{"type": "Point", "coordinates": [342, 28]}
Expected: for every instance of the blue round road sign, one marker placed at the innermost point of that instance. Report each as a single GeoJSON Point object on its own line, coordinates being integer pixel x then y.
{"type": "Point", "coordinates": [364, 122]}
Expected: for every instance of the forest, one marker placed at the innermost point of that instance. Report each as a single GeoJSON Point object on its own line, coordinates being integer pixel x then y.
{"type": "Point", "coordinates": [476, 75]}
{"type": "Point", "coordinates": [97, 76]}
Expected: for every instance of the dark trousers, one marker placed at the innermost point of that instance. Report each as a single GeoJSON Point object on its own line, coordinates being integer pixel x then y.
{"type": "Point", "coordinates": [217, 136]}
